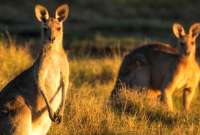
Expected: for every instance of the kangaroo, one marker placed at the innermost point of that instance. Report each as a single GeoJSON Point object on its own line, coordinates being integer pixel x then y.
{"type": "Point", "coordinates": [35, 98]}
{"type": "Point", "coordinates": [146, 67]}
{"type": "Point", "coordinates": [184, 74]}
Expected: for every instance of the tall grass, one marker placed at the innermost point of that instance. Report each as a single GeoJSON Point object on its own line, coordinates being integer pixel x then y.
{"type": "Point", "coordinates": [88, 110]}
{"type": "Point", "coordinates": [13, 60]}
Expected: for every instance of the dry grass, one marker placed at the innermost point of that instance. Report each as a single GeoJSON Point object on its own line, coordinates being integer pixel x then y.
{"type": "Point", "coordinates": [88, 111]}
{"type": "Point", "coordinates": [13, 60]}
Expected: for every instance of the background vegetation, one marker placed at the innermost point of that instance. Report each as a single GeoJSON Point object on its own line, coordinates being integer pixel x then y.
{"type": "Point", "coordinates": [109, 18]}
{"type": "Point", "coordinates": [97, 35]}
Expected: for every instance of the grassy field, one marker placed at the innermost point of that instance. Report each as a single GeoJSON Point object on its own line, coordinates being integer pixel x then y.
{"type": "Point", "coordinates": [88, 111]}
{"type": "Point", "coordinates": [98, 34]}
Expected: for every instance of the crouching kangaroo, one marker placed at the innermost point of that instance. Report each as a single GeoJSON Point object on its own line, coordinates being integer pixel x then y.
{"type": "Point", "coordinates": [36, 97]}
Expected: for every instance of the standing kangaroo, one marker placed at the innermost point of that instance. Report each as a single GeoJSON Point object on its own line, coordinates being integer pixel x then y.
{"type": "Point", "coordinates": [147, 66]}
{"type": "Point", "coordinates": [36, 97]}
{"type": "Point", "coordinates": [184, 74]}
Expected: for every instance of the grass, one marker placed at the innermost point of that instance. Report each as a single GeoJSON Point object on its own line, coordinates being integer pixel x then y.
{"type": "Point", "coordinates": [13, 60]}
{"type": "Point", "coordinates": [88, 111]}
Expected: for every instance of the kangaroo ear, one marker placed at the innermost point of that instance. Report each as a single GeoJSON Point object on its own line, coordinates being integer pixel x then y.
{"type": "Point", "coordinates": [41, 13]}
{"type": "Point", "coordinates": [62, 12]}
{"type": "Point", "coordinates": [178, 30]}
{"type": "Point", "coordinates": [195, 30]}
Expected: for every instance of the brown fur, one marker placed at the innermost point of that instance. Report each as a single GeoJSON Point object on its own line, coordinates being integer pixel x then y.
{"type": "Point", "coordinates": [148, 67]}
{"type": "Point", "coordinates": [37, 96]}
{"type": "Point", "coordinates": [141, 69]}
{"type": "Point", "coordinates": [154, 67]}
{"type": "Point", "coordinates": [184, 75]}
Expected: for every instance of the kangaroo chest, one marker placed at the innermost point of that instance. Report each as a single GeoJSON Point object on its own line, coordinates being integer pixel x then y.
{"type": "Point", "coordinates": [188, 74]}
{"type": "Point", "coordinates": [50, 72]}
{"type": "Point", "coordinates": [50, 80]}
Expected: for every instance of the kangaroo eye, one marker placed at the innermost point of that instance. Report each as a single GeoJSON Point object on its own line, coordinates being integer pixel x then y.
{"type": "Point", "coordinates": [45, 29]}
{"type": "Point", "coordinates": [182, 44]}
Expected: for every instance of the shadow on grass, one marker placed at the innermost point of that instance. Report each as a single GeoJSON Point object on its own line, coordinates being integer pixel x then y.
{"type": "Point", "coordinates": [142, 108]}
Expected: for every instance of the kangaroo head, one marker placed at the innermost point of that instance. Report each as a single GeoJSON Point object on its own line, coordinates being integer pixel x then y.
{"type": "Point", "coordinates": [187, 42]}
{"type": "Point", "coordinates": [52, 27]}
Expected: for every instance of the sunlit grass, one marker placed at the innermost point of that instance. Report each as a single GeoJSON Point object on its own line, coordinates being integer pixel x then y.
{"type": "Point", "coordinates": [88, 110]}
{"type": "Point", "coordinates": [13, 60]}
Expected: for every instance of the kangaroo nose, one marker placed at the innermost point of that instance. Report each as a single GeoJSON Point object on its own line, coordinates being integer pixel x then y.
{"type": "Point", "coordinates": [51, 39]}
{"type": "Point", "coordinates": [187, 53]}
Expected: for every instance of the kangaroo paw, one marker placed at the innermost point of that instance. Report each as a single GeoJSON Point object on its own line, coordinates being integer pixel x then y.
{"type": "Point", "coordinates": [57, 118]}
